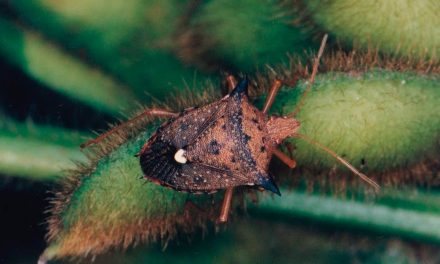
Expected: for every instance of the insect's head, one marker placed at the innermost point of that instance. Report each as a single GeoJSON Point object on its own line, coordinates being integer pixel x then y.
{"type": "Point", "coordinates": [280, 128]}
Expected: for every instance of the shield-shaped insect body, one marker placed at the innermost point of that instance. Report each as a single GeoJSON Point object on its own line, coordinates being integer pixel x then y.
{"type": "Point", "coordinates": [224, 144]}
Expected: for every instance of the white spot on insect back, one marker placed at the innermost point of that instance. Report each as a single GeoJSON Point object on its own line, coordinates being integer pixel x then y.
{"type": "Point", "coordinates": [179, 156]}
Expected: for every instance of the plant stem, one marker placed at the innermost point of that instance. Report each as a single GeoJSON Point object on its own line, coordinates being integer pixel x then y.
{"type": "Point", "coordinates": [381, 218]}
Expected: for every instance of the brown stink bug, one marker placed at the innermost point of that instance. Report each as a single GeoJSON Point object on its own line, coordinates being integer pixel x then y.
{"type": "Point", "coordinates": [222, 145]}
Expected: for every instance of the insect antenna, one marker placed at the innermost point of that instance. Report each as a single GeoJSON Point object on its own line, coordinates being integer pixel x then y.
{"type": "Point", "coordinates": [315, 143]}
{"type": "Point", "coordinates": [340, 159]}
{"type": "Point", "coordinates": [312, 77]}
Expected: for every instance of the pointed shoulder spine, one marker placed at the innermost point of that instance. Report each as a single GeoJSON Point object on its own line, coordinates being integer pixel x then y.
{"type": "Point", "coordinates": [268, 183]}
{"type": "Point", "coordinates": [241, 88]}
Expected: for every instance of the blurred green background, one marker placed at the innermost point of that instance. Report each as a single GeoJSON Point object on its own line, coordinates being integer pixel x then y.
{"type": "Point", "coordinates": [68, 68]}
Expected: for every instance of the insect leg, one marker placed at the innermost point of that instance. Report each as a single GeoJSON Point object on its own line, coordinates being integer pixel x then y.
{"type": "Point", "coordinates": [231, 83]}
{"type": "Point", "coordinates": [271, 96]}
{"type": "Point", "coordinates": [226, 206]}
{"type": "Point", "coordinates": [153, 112]}
{"type": "Point", "coordinates": [312, 77]}
{"type": "Point", "coordinates": [291, 163]}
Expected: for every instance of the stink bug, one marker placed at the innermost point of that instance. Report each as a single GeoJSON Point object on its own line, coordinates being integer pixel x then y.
{"type": "Point", "coordinates": [222, 145]}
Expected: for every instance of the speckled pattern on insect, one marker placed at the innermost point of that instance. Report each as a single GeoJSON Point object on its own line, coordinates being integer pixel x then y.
{"type": "Point", "coordinates": [224, 144]}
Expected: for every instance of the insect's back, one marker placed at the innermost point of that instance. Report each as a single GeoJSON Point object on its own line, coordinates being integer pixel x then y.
{"type": "Point", "coordinates": [216, 146]}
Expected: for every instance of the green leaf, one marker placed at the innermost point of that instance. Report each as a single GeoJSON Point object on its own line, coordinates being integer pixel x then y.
{"type": "Point", "coordinates": [38, 152]}
{"type": "Point", "coordinates": [49, 64]}
{"type": "Point", "coordinates": [394, 27]}
{"type": "Point", "coordinates": [132, 41]}
{"type": "Point", "coordinates": [379, 120]}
